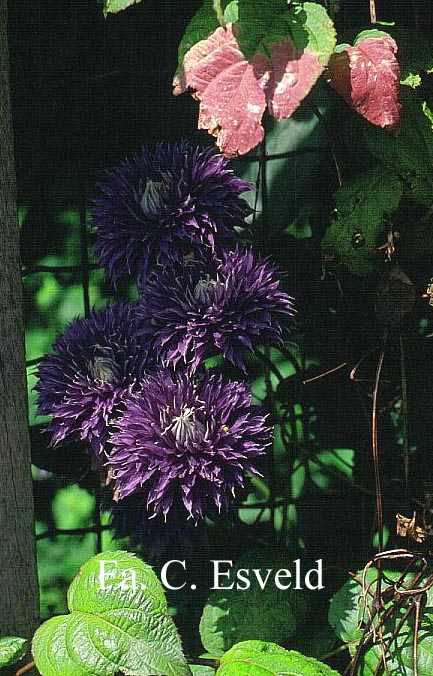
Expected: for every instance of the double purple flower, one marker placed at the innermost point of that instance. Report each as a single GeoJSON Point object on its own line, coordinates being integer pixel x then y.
{"type": "Point", "coordinates": [92, 368]}
{"type": "Point", "coordinates": [162, 206]}
{"type": "Point", "coordinates": [203, 308]}
{"type": "Point", "coordinates": [186, 440]}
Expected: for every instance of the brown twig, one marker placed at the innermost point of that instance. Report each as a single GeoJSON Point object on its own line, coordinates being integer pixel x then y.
{"type": "Point", "coordinates": [375, 450]}
{"type": "Point", "coordinates": [411, 599]}
{"type": "Point", "coordinates": [25, 669]}
{"type": "Point", "coordinates": [373, 13]}
{"type": "Point", "coordinates": [326, 373]}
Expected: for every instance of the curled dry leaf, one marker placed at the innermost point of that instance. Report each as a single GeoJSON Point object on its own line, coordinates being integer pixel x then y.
{"type": "Point", "coordinates": [367, 76]}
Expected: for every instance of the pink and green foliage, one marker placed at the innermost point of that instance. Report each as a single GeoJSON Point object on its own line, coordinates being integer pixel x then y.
{"type": "Point", "coordinates": [236, 79]}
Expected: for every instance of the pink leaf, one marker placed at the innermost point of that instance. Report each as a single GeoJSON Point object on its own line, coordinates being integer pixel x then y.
{"type": "Point", "coordinates": [367, 76]}
{"type": "Point", "coordinates": [231, 90]}
{"type": "Point", "coordinates": [294, 74]}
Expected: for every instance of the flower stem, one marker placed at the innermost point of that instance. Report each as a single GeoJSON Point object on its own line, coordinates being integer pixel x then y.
{"type": "Point", "coordinates": [219, 12]}
{"type": "Point", "coordinates": [204, 661]}
{"type": "Point", "coordinates": [25, 669]}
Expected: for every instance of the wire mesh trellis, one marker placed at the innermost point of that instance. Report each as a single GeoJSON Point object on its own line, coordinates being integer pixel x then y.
{"type": "Point", "coordinates": [84, 268]}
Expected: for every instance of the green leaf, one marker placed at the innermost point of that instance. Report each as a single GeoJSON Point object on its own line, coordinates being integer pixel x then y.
{"type": "Point", "coordinates": [312, 28]}
{"type": "Point", "coordinates": [202, 671]}
{"type": "Point", "coordinates": [410, 153]}
{"type": "Point", "coordinates": [268, 614]}
{"type": "Point", "coordinates": [361, 207]}
{"type": "Point", "coordinates": [258, 19]}
{"type": "Point", "coordinates": [12, 649]}
{"type": "Point", "coordinates": [115, 6]}
{"type": "Point", "coordinates": [268, 659]}
{"type": "Point", "coordinates": [346, 610]}
{"type": "Point", "coordinates": [121, 628]}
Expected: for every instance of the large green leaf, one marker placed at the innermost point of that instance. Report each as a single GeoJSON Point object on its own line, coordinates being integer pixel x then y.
{"type": "Point", "coordinates": [12, 649]}
{"type": "Point", "coordinates": [115, 6]}
{"type": "Point", "coordinates": [121, 628]}
{"type": "Point", "coordinates": [346, 611]}
{"type": "Point", "coordinates": [410, 153]}
{"type": "Point", "coordinates": [361, 207]}
{"type": "Point", "coordinates": [269, 614]}
{"type": "Point", "coordinates": [257, 658]}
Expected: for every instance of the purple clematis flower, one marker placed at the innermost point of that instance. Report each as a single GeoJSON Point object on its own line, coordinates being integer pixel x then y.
{"type": "Point", "coordinates": [203, 308]}
{"type": "Point", "coordinates": [164, 205]}
{"type": "Point", "coordinates": [93, 366]}
{"type": "Point", "coordinates": [188, 440]}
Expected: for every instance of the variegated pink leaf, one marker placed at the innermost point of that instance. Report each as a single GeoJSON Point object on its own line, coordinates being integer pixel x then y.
{"type": "Point", "coordinates": [293, 75]}
{"type": "Point", "coordinates": [231, 90]}
{"type": "Point", "coordinates": [367, 76]}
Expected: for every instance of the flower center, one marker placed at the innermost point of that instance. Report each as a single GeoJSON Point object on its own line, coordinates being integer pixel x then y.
{"type": "Point", "coordinates": [203, 290]}
{"type": "Point", "coordinates": [104, 369]}
{"type": "Point", "coordinates": [186, 428]}
{"type": "Point", "coordinates": [156, 197]}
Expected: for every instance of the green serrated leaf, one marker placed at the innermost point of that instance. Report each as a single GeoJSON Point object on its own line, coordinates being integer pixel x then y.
{"type": "Point", "coordinates": [125, 627]}
{"type": "Point", "coordinates": [346, 610]}
{"type": "Point", "coordinates": [428, 113]}
{"type": "Point", "coordinates": [268, 659]}
{"type": "Point", "coordinates": [412, 80]}
{"type": "Point", "coordinates": [115, 6]}
{"type": "Point", "coordinates": [231, 616]}
{"type": "Point", "coordinates": [315, 23]}
{"type": "Point", "coordinates": [361, 207]}
{"type": "Point", "coordinates": [12, 649]}
{"type": "Point", "coordinates": [258, 19]}
{"type": "Point", "coordinates": [372, 33]}
{"type": "Point", "coordinates": [410, 153]}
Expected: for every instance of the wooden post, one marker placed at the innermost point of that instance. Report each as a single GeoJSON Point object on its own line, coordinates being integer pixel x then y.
{"type": "Point", "coordinates": [19, 606]}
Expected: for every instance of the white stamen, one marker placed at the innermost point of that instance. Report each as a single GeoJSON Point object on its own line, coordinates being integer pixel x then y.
{"type": "Point", "coordinates": [202, 289]}
{"type": "Point", "coordinates": [150, 197]}
{"type": "Point", "coordinates": [185, 427]}
{"type": "Point", "coordinates": [103, 369]}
